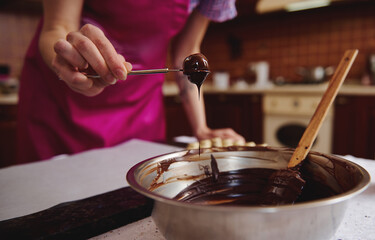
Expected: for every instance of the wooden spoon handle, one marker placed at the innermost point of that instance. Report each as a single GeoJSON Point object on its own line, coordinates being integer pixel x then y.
{"type": "Point", "coordinates": [321, 111]}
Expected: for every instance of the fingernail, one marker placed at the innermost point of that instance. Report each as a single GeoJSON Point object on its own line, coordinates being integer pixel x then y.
{"type": "Point", "coordinates": [110, 79]}
{"type": "Point", "coordinates": [128, 66]}
{"type": "Point", "coordinates": [120, 74]}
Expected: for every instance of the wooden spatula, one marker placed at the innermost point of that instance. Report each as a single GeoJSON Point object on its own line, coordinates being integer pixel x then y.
{"type": "Point", "coordinates": [321, 111]}
{"type": "Point", "coordinates": [284, 186]}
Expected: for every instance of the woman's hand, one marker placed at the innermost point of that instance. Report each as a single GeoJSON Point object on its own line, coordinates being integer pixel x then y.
{"type": "Point", "coordinates": [69, 49]}
{"type": "Point", "coordinates": [88, 51]}
{"type": "Point", "coordinates": [223, 133]}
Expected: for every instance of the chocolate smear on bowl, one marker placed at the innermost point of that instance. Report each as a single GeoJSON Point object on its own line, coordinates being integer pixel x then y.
{"type": "Point", "coordinates": [161, 167]}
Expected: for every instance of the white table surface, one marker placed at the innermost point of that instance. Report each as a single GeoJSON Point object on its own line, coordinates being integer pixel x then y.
{"type": "Point", "coordinates": [29, 188]}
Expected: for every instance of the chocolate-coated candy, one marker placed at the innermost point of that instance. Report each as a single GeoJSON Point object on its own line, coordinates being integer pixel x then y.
{"type": "Point", "coordinates": [196, 68]}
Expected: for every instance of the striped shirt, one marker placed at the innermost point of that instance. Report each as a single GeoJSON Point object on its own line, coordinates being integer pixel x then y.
{"type": "Point", "coordinates": [216, 10]}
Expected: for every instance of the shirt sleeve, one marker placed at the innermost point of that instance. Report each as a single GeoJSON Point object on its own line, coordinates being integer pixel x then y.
{"type": "Point", "coordinates": [216, 10]}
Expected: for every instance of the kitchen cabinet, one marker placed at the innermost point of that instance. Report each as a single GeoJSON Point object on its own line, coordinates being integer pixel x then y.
{"type": "Point", "coordinates": [354, 126]}
{"type": "Point", "coordinates": [242, 112]}
{"type": "Point", "coordinates": [8, 123]}
{"type": "Point", "coordinates": [353, 122]}
{"type": "Point", "coordinates": [176, 119]}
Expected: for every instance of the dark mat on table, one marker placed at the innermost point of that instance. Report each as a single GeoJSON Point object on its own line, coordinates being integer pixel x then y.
{"type": "Point", "coordinates": [80, 219]}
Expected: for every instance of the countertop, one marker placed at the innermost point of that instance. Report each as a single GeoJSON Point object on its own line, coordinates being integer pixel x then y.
{"type": "Point", "coordinates": [171, 89]}
{"type": "Point", "coordinates": [8, 99]}
{"type": "Point", "coordinates": [28, 188]}
{"type": "Point", "coordinates": [346, 89]}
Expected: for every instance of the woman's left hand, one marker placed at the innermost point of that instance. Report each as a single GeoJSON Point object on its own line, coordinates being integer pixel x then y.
{"type": "Point", "coordinates": [223, 133]}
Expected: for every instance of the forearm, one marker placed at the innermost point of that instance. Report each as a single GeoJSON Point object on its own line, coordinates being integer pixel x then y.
{"type": "Point", "coordinates": [187, 43]}
{"type": "Point", "coordinates": [46, 43]}
{"type": "Point", "coordinates": [60, 18]}
{"type": "Point", "coordinates": [192, 104]}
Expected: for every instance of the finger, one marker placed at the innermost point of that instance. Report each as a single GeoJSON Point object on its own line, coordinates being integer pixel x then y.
{"type": "Point", "coordinates": [92, 55]}
{"type": "Point", "coordinates": [233, 135]}
{"type": "Point", "coordinates": [128, 65]}
{"type": "Point", "coordinates": [70, 54]}
{"type": "Point", "coordinates": [122, 58]}
{"type": "Point", "coordinates": [112, 59]}
{"type": "Point", "coordinates": [93, 91]}
{"type": "Point", "coordinates": [69, 75]}
{"type": "Point", "coordinates": [229, 133]}
{"type": "Point", "coordinates": [99, 82]}
{"type": "Point", "coordinates": [237, 138]}
{"type": "Point", "coordinates": [77, 81]}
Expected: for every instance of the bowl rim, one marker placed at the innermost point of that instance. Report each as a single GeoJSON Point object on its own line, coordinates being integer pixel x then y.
{"type": "Point", "coordinates": [130, 177]}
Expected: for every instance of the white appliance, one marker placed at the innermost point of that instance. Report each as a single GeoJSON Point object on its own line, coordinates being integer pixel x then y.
{"type": "Point", "coordinates": [286, 116]}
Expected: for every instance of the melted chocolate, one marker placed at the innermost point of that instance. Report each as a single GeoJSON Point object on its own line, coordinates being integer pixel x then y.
{"type": "Point", "coordinates": [284, 186]}
{"type": "Point", "coordinates": [322, 177]}
{"type": "Point", "coordinates": [215, 169]}
{"type": "Point", "coordinates": [254, 187]}
{"type": "Point", "coordinates": [196, 68]}
{"type": "Point", "coordinates": [246, 187]}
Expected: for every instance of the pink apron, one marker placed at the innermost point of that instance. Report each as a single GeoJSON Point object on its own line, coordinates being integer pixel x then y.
{"type": "Point", "coordinates": [55, 120]}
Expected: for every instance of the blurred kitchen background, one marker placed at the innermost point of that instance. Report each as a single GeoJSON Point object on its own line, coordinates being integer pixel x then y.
{"type": "Point", "coordinates": [270, 66]}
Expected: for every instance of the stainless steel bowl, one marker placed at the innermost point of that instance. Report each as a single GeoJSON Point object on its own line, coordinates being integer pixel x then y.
{"type": "Point", "coordinates": [318, 219]}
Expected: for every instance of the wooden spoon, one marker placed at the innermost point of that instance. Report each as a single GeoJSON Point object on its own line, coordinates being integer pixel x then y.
{"type": "Point", "coordinates": [317, 119]}
{"type": "Point", "coordinates": [285, 185]}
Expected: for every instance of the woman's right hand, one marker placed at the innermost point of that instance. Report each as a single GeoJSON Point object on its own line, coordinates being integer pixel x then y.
{"type": "Point", "coordinates": [88, 51]}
